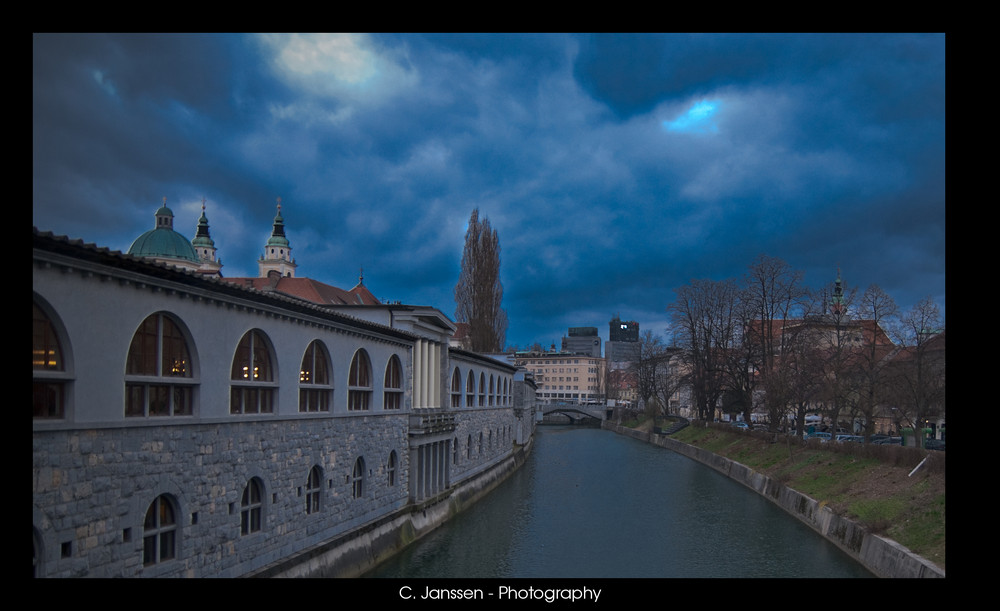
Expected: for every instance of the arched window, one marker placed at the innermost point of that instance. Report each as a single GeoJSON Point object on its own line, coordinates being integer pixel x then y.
{"type": "Point", "coordinates": [358, 478]}
{"type": "Point", "coordinates": [359, 382]}
{"type": "Point", "coordinates": [479, 448]}
{"type": "Point", "coordinates": [392, 390]}
{"type": "Point", "coordinates": [482, 389]}
{"type": "Point", "coordinates": [468, 448]}
{"type": "Point", "coordinates": [313, 487]}
{"type": "Point", "coordinates": [470, 390]}
{"type": "Point", "coordinates": [48, 397]}
{"type": "Point", "coordinates": [454, 451]}
{"type": "Point", "coordinates": [36, 553]}
{"type": "Point", "coordinates": [252, 389]}
{"type": "Point", "coordinates": [315, 388]}
{"type": "Point", "coordinates": [491, 391]}
{"type": "Point", "coordinates": [456, 389]}
{"type": "Point", "coordinates": [158, 370]}
{"type": "Point", "coordinates": [252, 507]}
{"type": "Point", "coordinates": [390, 468]}
{"type": "Point", "coordinates": [159, 532]}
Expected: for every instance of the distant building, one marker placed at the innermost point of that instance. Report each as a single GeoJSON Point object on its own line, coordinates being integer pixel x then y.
{"type": "Point", "coordinates": [582, 340]}
{"type": "Point", "coordinates": [564, 377]}
{"type": "Point", "coordinates": [623, 343]}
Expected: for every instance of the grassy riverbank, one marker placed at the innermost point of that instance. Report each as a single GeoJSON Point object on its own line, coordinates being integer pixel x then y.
{"type": "Point", "coordinates": [871, 485]}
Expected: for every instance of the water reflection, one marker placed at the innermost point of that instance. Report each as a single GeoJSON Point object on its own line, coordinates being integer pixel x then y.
{"type": "Point", "coordinates": [590, 503]}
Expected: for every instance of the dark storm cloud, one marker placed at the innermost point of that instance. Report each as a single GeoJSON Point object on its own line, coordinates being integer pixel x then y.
{"type": "Point", "coordinates": [607, 193]}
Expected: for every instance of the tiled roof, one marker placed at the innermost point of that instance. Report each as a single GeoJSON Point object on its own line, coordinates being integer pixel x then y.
{"type": "Point", "coordinates": [310, 290]}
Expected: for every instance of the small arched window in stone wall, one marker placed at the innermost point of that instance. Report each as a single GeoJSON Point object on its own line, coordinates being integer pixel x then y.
{"type": "Point", "coordinates": [358, 478]}
{"type": "Point", "coordinates": [159, 532]}
{"type": "Point", "coordinates": [313, 488]}
{"type": "Point", "coordinates": [390, 468]}
{"type": "Point", "coordinates": [252, 507]}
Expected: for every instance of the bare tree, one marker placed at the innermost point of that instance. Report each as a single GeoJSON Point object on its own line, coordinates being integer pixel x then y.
{"type": "Point", "coordinates": [703, 323]}
{"type": "Point", "coordinates": [772, 293]}
{"type": "Point", "coordinates": [654, 377]}
{"type": "Point", "coordinates": [876, 309]}
{"type": "Point", "coordinates": [479, 293]}
{"type": "Point", "coordinates": [918, 368]}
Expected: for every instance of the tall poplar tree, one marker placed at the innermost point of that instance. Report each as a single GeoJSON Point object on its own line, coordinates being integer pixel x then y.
{"type": "Point", "coordinates": [478, 294]}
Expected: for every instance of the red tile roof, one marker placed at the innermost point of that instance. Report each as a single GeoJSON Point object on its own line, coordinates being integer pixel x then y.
{"type": "Point", "coordinates": [310, 290]}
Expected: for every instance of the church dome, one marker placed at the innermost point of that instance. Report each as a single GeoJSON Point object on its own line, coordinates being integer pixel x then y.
{"type": "Point", "coordinates": [162, 242]}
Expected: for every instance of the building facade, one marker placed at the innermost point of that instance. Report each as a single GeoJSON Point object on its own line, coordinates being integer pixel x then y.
{"type": "Point", "coordinates": [623, 343]}
{"type": "Point", "coordinates": [582, 340]}
{"type": "Point", "coordinates": [564, 377]}
{"type": "Point", "coordinates": [191, 426]}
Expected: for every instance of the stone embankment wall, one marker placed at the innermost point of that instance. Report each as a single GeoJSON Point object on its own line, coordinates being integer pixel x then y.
{"type": "Point", "coordinates": [883, 557]}
{"type": "Point", "coordinates": [358, 551]}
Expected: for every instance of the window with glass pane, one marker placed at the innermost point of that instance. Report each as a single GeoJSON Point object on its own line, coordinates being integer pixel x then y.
{"type": "Point", "coordinates": [252, 391]}
{"type": "Point", "coordinates": [313, 488]}
{"type": "Point", "coordinates": [158, 370]}
{"type": "Point", "coordinates": [315, 391]}
{"type": "Point", "coordinates": [391, 468]}
{"type": "Point", "coordinates": [251, 507]}
{"type": "Point", "coordinates": [48, 393]}
{"type": "Point", "coordinates": [358, 478]}
{"type": "Point", "coordinates": [359, 384]}
{"type": "Point", "coordinates": [393, 388]}
{"type": "Point", "coordinates": [159, 532]}
{"type": "Point", "coordinates": [470, 391]}
{"type": "Point", "coordinates": [456, 389]}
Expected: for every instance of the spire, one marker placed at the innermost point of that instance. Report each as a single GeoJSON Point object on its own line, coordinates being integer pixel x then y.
{"type": "Point", "coordinates": [202, 236]}
{"type": "Point", "coordinates": [837, 303]}
{"type": "Point", "coordinates": [278, 231]}
{"type": "Point", "coordinates": [205, 246]}
{"type": "Point", "coordinates": [277, 250]}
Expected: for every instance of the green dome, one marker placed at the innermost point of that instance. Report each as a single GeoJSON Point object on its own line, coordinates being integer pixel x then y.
{"type": "Point", "coordinates": [163, 242]}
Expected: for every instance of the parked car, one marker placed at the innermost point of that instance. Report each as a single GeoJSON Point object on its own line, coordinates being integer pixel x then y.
{"type": "Point", "coordinates": [934, 444]}
{"type": "Point", "coordinates": [824, 437]}
{"type": "Point", "coordinates": [889, 441]}
{"type": "Point", "coordinates": [850, 439]}
{"type": "Point", "coordinates": [741, 425]}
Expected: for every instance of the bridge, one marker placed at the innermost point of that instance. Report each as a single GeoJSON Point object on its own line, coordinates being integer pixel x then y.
{"type": "Point", "coordinates": [576, 413]}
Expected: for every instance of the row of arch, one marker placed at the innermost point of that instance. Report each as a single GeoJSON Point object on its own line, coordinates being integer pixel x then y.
{"type": "Point", "coordinates": [161, 378]}
{"type": "Point", "coordinates": [499, 392]}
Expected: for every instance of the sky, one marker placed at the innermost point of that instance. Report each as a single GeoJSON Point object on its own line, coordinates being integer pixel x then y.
{"type": "Point", "coordinates": [615, 168]}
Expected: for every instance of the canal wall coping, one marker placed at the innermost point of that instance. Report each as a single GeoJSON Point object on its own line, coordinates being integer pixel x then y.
{"type": "Point", "coordinates": [883, 557]}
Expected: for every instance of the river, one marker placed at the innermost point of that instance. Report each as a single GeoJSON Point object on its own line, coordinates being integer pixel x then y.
{"type": "Point", "coordinates": [589, 503]}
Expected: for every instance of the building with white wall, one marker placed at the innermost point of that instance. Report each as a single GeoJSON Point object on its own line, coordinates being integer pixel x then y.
{"type": "Point", "coordinates": [187, 425]}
